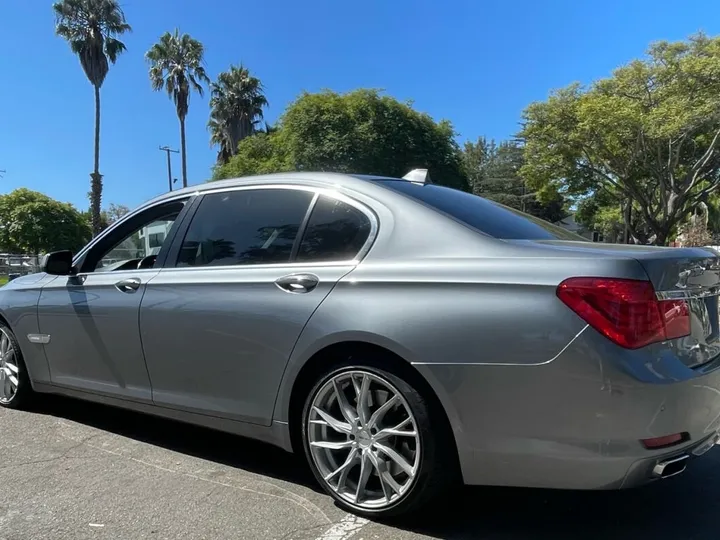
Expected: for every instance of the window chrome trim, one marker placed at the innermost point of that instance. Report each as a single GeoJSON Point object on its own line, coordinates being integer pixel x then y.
{"type": "Point", "coordinates": [289, 265]}
{"type": "Point", "coordinates": [318, 191]}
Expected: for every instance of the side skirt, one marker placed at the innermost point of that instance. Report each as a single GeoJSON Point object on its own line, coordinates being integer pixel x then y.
{"type": "Point", "coordinates": [276, 434]}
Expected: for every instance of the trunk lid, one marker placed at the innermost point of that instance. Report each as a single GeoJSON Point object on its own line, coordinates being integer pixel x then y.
{"type": "Point", "coordinates": [689, 274]}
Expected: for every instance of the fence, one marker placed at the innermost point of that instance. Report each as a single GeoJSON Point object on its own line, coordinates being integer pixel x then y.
{"type": "Point", "coordinates": [14, 265]}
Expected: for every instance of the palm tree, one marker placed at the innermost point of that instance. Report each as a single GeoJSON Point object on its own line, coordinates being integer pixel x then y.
{"type": "Point", "coordinates": [92, 27]}
{"type": "Point", "coordinates": [236, 107]}
{"type": "Point", "coordinates": [176, 65]}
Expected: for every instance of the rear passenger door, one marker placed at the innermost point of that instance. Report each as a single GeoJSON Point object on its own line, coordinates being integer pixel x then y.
{"type": "Point", "coordinates": [218, 324]}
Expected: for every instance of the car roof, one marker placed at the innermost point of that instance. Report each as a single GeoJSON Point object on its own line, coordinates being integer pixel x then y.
{"type": "Point", "coordinates": [320, 179]}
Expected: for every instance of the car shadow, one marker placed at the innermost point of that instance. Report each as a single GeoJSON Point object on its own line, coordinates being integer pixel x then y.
{"type": "Point", "coordinates": [684, 507]}
{"type": "Point", "coordinates": [204, 443]}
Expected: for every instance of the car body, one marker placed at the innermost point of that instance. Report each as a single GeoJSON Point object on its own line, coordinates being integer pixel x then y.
{"type": "Point", "coordinates": [521, 354]}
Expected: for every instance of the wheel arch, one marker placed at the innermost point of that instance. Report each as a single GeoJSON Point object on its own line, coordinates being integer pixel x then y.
{"type": "Point", "coordinates": [332, 354]}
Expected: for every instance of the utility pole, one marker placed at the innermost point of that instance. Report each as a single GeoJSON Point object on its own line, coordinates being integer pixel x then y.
{"type": "Point", "coordinates": [167, 150]}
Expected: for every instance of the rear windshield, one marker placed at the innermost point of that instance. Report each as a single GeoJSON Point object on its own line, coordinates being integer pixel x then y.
{"type": "Point", "coordinates": [491, 218]}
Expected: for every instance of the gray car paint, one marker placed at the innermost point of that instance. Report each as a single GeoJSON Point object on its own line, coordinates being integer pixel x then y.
{"type": "Point", "coordinates": [534, 396]}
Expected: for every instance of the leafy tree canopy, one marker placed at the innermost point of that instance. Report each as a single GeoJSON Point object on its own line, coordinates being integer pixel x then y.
{"type": "Point", "coordinates": [31, 222]}
{"type": "Point", "coordinates": [649, 134]}
{"type": "Point", "coordinates": [493, 172]}
{"type": "Point", "coordinates": [357, 132]}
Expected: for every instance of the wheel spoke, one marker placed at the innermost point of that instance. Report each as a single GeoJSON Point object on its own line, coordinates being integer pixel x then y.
{"type": "Point", "coordinates": [349, 462]}
{"type": "Point", "coordinates": [396, 431]}
{"type": "Point", "coordinates": [332, 445]}
{"type": "Point", "coordinates": [4, 342]}
{"type": "Point", "coordinates": [337, 425]}
{"type": "Point", "coordinates": [380, 413]}
{"type": "Point", "coordinates": [12, 367]}
{"type": "Point", "coordinates": [13, 380]}
{"type": "Point", "coordinates": [345, 407]}
{"type": "Point", "coordinates": [397, 458]}
{"type": "Point", "coordinates": [365, 471]}
{"type": "Point", "coordinates": [381, 469]}
{"type": "Point", "coordinates": [364, 400]}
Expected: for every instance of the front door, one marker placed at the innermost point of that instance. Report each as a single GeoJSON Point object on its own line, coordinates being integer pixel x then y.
{"type": "Point", "coordinates": [91, 319]}
{"type": "Point", "coordinates": [220, 320]}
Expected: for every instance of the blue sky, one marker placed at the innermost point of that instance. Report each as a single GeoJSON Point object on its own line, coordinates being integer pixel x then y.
{"type": "Point", "coordinates": [474, 62]}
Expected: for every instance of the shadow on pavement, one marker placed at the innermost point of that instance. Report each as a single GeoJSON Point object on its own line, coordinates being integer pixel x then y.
{"type": "Point", "coordinates": [223, 448]}
{"type": "Point", "coordinates": [686, 507]}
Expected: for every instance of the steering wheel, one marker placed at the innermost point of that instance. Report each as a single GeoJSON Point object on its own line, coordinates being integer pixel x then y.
{"type": "Point", "coordinates": [147, 262]}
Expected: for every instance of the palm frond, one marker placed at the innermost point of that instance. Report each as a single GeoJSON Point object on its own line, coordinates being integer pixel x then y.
{"type": "Point", "coordinates": [92, 28]}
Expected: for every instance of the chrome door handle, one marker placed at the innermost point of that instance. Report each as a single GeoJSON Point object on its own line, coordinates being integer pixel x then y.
{"type": "Point", "coordinates": [129, 285]}
{"type": "Point", "coordinates": [298, 283]}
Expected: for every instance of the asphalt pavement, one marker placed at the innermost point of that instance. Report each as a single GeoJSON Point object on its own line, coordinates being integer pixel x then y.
{"type": "Point", "coordinates": [74, 470]}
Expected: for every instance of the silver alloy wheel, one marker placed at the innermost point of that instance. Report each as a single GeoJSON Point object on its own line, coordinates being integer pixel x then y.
{"type": "Point", "coordinates": [9, 368]}
{"type": "Point", "coordinates": [364, 439]}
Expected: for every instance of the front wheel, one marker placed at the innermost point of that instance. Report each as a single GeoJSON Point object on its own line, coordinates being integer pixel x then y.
{"type": "Point", "coordinates": [15, 389]}
{"type": "Point", "coordinates": [368, 438]}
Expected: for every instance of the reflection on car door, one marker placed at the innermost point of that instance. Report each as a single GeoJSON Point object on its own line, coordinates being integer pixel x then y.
{"type": "Point", "coordinates": [92, 318]}
{"type": "Point", "coordinates": [219, 324]}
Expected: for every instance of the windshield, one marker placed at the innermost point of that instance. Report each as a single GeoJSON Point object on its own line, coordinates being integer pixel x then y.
{"type": "Point", "coordinates": [489, 217]}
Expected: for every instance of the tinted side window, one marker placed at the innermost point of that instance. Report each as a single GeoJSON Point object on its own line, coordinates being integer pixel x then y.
{"type": "Point", "coordinates": [335, 232]}
{"type": "Point", "coordinates": [244, 227]}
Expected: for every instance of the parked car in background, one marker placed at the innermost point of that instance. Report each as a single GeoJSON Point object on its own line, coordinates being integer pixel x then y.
{"type": "Point", "coordinates": [402, 335]}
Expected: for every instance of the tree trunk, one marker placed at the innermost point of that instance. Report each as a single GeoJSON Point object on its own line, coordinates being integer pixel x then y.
{"type": "Point", "coordinates": [95, 176]}
{"type": "Point", "coordinates": [182, 150]}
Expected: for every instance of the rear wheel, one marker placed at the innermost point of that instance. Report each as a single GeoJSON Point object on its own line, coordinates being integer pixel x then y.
{"type": "Point", "coordinates": [15, 389]}
{"type": "Point", "coordinates": [370, 442]}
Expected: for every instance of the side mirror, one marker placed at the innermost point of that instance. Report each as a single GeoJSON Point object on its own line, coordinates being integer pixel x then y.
{"type": "Point", "coordinates": [58, 263]}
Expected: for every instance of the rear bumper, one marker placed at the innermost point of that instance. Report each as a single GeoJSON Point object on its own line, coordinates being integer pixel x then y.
{"type": "Point", "coordinates": [575, 422]}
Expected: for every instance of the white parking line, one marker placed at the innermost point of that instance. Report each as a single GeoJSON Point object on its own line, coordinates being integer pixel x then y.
{"type": "Point", "coordinates": [347, 528]}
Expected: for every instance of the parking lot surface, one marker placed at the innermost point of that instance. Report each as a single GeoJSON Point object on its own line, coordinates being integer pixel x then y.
{"type": "Point", "coordinates": [74, 470]}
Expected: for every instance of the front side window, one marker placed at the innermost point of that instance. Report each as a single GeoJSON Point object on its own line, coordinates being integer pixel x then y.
{"type": "Point", "coordinates": [255, 226]}
{"type": "Point", "coordinates": [336, 231]}
{"type": "Point", "coordinates": [136, 243]}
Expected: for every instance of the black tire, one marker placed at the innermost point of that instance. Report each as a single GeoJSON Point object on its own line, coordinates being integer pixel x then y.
{"type": "Point", "coordinates": [437, 467]}
{"type": "Point", "coordinates": [24, 395]}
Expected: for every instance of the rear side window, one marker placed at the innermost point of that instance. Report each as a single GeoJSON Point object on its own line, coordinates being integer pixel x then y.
{"type": "Point", "coordinates": [256, 226]}
{"type": "Point", "coordinates": [486, 216]}
{"type": "Point", "coordinates": [336, 231]}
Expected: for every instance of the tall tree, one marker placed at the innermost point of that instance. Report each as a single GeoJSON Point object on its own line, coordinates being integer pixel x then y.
{"type": "Point", "coordinates": [236, 108]}
{"type": "Point", "coordinates": [176, 65]}
{"type": "Point", "coordinates": [649, 135]}
{"type": "Point", "coordinates": [360, 131]}
{"type": "Point", "coordinates": [92, 28]}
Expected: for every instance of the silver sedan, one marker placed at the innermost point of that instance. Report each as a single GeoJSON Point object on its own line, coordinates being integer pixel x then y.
{"type": "Point", "coordinates": [402, 335]}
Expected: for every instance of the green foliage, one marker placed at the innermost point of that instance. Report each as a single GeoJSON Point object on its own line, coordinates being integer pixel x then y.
{"type": "Point", "coordinates": [356, 132]}
{"type": "Point", "coordinates": [492, 171]}
{"type": "Point", "coordinates": [31, 222]}
{"type": "Point", "coordinates": [649, 134]}
{"type": "Point", "coordinates": [236, 108]}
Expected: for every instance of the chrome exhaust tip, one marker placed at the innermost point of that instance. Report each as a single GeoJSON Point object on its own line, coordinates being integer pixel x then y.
{"type": "Point", "coordinates": [670, 467]}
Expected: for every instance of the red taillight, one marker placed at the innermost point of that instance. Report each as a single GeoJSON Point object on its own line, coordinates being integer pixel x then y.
{"type": "Point", "coordinates": [625, 310]}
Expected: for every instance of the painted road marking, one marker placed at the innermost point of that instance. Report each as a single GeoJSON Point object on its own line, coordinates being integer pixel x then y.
{"type": "Point", "coordinates": [348, 527]}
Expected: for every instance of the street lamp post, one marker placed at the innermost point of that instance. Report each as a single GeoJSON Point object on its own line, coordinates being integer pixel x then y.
{"type": "Point", "coordinates": [167, 150]}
